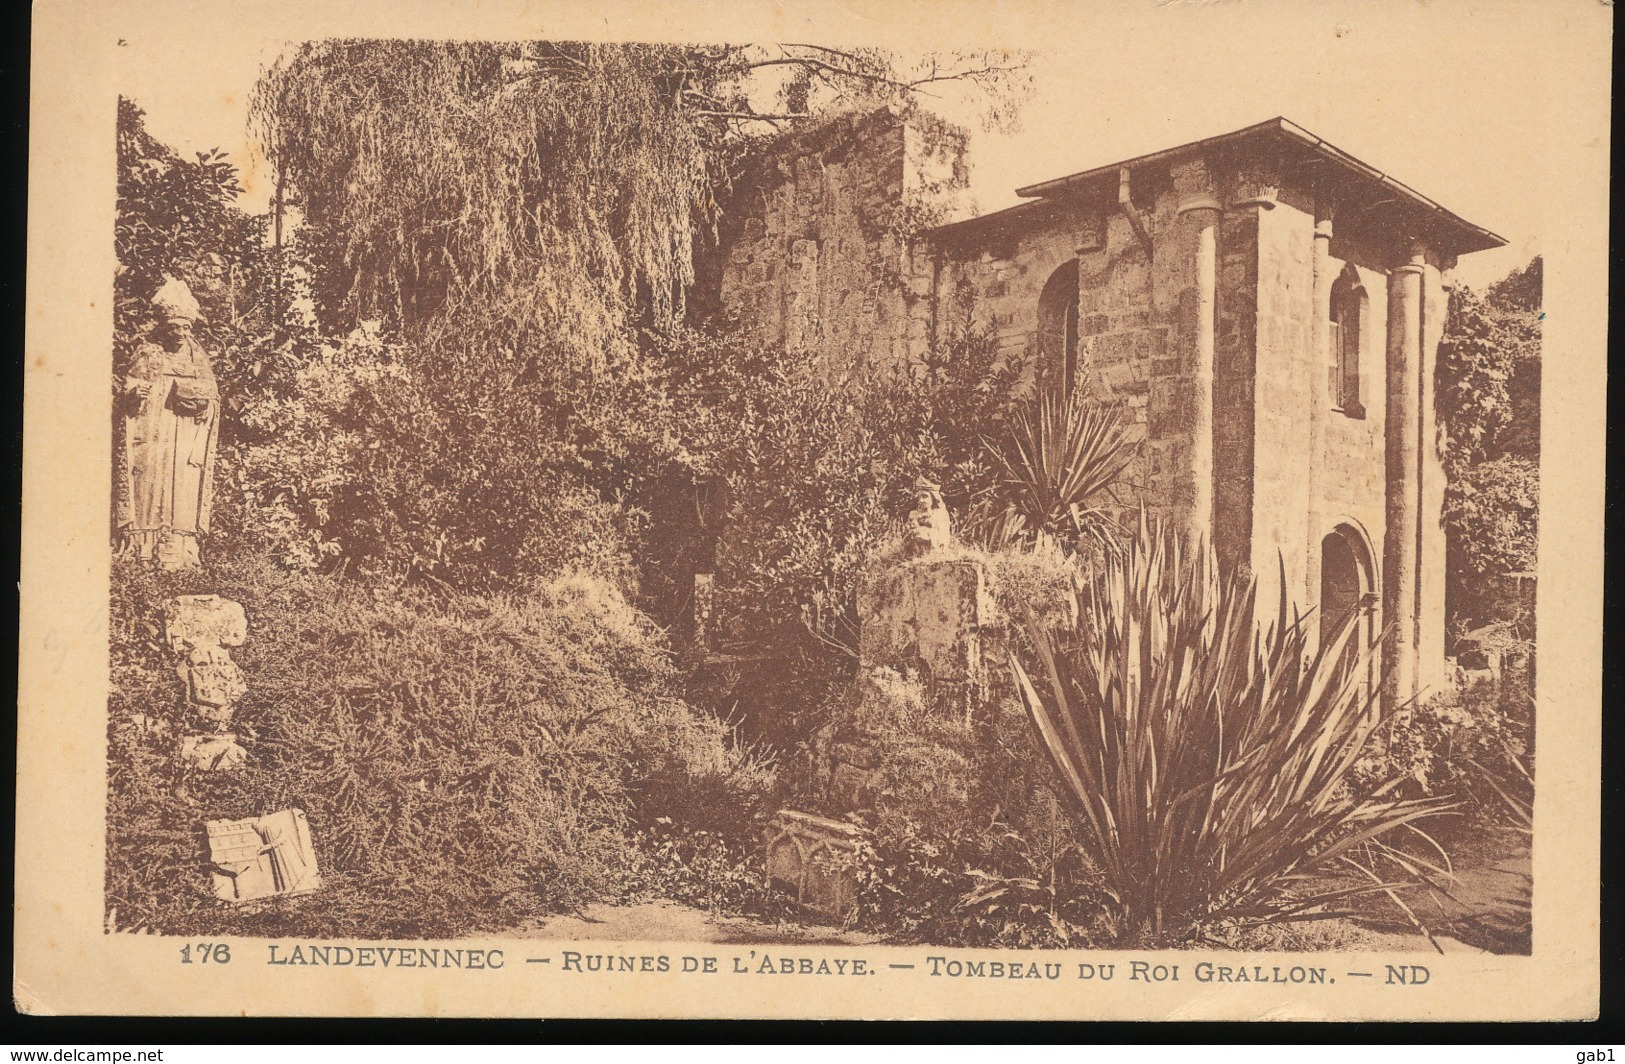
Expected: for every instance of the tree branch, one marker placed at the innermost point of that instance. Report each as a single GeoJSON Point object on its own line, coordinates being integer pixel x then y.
{"type": "Point", "coordinates": [819, 64]}
{"type": "Point", "coordinates": [747, 116]}
{"type": "Point", "coordinates": [972, 74]}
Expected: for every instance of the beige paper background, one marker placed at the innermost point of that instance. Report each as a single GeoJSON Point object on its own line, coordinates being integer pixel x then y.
{"type": "Point", "coordinates": [1556, 65]}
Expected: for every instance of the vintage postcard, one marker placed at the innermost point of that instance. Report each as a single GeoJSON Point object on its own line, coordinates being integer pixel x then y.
{"type": "Point", "coordinates": [814, 510]}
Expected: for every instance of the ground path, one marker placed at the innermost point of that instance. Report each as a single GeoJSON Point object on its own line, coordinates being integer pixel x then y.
{"type": "Point", "coordinates": [1483, 910]}
{"type": "Point", "coordinates": [670, 921]}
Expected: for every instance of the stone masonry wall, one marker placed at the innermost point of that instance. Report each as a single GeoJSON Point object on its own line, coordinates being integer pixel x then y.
{"type": "Point", "coordinates": [1134, 313]}
{"type": "Point", "coordinates": [811, 250]}
{"type": "Point", "coordinates": [1136, 321]}
{"type": "Point", "coordinates": [1286, 372]}
{"type": "Point", "coordinates": [1352, 483]}
{"type": "Point", "coordinates": [1235, 386]}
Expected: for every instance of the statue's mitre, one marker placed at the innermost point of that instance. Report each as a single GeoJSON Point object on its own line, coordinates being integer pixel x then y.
{"type": "Point", "coordinates": [174, 300]}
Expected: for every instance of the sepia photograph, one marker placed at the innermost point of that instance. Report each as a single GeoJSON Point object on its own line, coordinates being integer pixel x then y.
{"type": "Point", "coordinates": [949, 506]}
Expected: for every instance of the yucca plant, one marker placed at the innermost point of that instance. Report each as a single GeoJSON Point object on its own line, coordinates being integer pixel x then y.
{"type": "Point", "coordinates": [1059, 453]}
{"type": "Point", "coordinates": [1206, 753]}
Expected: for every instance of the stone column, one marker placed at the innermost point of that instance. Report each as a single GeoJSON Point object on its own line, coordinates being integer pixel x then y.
{"type": "Point", "coordinates": [1320, 344]}
{"type": "Point", "coordinates": [1400, 544]}
{"type": "Point", "coordinates": [1201, 213]}
{"type": "Point", "coordinates": [1430, 561]}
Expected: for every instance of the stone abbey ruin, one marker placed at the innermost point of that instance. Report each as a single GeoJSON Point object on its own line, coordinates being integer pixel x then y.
{"type": "Point", "coordinates": [1264, 309]}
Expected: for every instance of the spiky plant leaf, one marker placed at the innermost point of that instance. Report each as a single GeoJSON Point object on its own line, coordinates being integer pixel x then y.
{"type": "Point", "coordinates": [1206, 751]}
{"type": "Point", "coordinates": [1060, 453]}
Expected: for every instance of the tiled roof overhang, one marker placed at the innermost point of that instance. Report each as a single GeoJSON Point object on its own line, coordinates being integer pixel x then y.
{"type": "Point", "coordinates": [1296, 146]}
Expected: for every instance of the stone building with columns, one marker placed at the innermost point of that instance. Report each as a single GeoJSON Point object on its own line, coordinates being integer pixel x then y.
{"type": "Point", "coordinates": [1264, 308]}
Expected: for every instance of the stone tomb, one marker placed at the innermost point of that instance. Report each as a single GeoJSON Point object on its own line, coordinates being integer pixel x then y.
{"type": "Point", "coordinates": [927, 616]}
{"type": "Point", "coordinates": [931, 616]}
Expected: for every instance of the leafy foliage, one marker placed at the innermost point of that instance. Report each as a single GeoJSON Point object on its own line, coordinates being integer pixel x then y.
{"type": "Point", "coordinates": [176, 217]}
{"type": "Point", "coordinates": [1460, 745]}
{"type": "Point", "coordinates": [1494, 509]}
{"type": "Point", "coordinates": [1489, 407]}
{"type": "Point", "coordinates": [1205, 757]}
{"type": "Point", "coordinates": [819, 471]}
{"type": "Point", "coordinates": [502, 750]}
{"type": "Point", "coordinates": [556, 180]}
{"type": "Point", "coordinates": [520, 219]}
{"type": "Point", "coordinates": [969, 846]}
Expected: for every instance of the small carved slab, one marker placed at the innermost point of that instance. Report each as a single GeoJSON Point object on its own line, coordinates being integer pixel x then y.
{"type": "Point", "coordinates": [262, 857]}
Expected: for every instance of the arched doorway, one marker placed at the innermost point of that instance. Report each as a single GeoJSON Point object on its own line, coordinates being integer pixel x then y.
{"type": "Point", "coordinates": [1348, 595]}
{"type": "Point", "coordinates": [1058, 326]}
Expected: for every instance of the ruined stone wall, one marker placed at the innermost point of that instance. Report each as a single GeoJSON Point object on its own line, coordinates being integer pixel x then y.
{"type": "Point", "coordinates": [811, 247]}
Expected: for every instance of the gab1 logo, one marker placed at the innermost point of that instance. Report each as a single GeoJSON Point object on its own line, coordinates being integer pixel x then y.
{"type": "Point", "coordinates": [1593, 1056]}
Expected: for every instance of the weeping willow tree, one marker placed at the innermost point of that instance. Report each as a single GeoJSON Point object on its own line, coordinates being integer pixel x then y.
{"type": "Point", "coordinates": [515, 213]}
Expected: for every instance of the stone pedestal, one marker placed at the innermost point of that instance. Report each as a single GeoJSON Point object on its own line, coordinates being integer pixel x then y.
{"type": "Point", "coordinates": [200, 629]}
{"type": "Point", "coordinates": [935, 618]}
{"type": "Point", "coordinates": [898, 743]}
{"type": "Point", "coordinates": [211, 753]}
{"type": "Point", "coordinates": [928, 634]}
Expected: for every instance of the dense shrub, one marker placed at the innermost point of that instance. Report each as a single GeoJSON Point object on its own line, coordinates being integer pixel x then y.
{"type": "Point", "coordinates": [1489, 412]}
{"type": "Point", "coordinates": [1493, 509]}
{"type": "Point", "coordinates": [970, 846]}
{"type": "Point", "coordinates": [1461, 745]}
{"type": "Point", "coordinates": [819, 472]}
{"type": "Point", "coordinates": [463, 763]}
{"type": "Point", "coordinates": [176, 216]}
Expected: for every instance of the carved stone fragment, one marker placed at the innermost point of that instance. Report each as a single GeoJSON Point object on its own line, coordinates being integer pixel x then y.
{"type": "Point", "coordinates": [815, 860]}
{"type": "Point", "coordinates": [212, 753]}
{"type": "Point", "coordinates": [199, 629]}
{"type": "Point", "coordinates": [262, 857]}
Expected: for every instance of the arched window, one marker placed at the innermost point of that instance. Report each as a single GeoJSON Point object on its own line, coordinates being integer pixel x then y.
{"type": "Point", "coordinates": [1058, 326]}
{"type": "Point", "coordinates": [1348, 311]}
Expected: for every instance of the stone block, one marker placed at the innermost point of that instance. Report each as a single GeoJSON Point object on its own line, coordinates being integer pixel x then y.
{"type": "Point", "coordinates": [1119, 378]}
{"type": "Point", "coordinates": [198, 620]}
{"type": "Point", "coordinates": [929, 616]}
{"type": "Point", "coordinates": [1172, 406]}
{"type": "Point", "coordinates": [859, 755]}
{"type": "Point", "coordinates": [262, 857]}
{"type": "Point", "coordinates": [1111, 348]}
{"type": "Point", "coordinates": [212, 679]}
{"type": "Point", "coordinates": [212, 753]}
{"type": "Point", "coordinates": [815, 860]}
{"type": "Point", "coordinates": [853, 787]}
